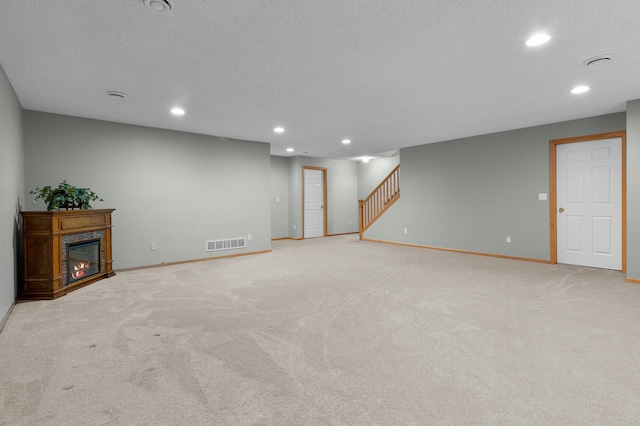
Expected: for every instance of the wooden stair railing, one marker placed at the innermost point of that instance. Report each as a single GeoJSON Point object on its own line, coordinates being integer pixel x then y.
{"type": "Point", "coordinates": [380, 199]}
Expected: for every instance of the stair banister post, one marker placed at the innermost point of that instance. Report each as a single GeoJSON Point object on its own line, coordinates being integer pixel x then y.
{"type": "Point", "coordinates": [360, 217]}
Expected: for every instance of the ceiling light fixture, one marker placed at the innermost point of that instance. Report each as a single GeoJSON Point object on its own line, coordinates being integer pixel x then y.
{"type": "Point", "coordinates": [289, 149]}
{"type": "Point", "coordinates": [177, 111]}
{"type": "Point", "coordinates": [346, 141]}
{"type": "Point", "coordinates": [279, 130]}
{"type": "Point", "coordinates": [159, 5]}
{"type": "Point", "coordinates": [580, 89]}
{"type": "Point", "coordinates": [538, 39]}
{"type": "Point", "coordinates": [365, 159]}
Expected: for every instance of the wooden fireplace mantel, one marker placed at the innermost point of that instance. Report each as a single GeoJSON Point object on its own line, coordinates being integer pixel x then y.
{"type": "Point", "coordinates": [43, 238]}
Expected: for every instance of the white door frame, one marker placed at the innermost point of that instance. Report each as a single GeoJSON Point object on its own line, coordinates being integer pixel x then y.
{"type": "Point", "coordinates": [324, 197]}
{"type": "Point", "coordinates": [553, 202]}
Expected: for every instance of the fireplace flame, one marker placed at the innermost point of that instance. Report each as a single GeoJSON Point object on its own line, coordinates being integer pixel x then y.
{"type": "Point", "coordinates": [79, 270]}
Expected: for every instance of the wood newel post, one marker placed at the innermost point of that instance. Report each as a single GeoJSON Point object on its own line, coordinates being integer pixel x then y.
{"type": "Point", "coordinates": [360, 216]}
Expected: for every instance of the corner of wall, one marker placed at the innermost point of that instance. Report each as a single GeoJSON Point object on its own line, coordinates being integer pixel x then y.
{"type": "Point", "coordinates": [12, 191]}
{"type": "Point", "coordinates": [633, 190]}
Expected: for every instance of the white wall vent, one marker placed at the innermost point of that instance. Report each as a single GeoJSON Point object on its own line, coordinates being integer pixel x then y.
{"type": "Point", "coordinates": [228, 244]}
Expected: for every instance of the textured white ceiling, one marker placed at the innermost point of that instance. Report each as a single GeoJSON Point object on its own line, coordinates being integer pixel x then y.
{"type": "Point", "coordinates": [386, 74]}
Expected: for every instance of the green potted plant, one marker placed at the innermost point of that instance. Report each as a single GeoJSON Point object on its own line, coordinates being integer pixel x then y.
{"type": "Point", "coordinates": [65, 196]}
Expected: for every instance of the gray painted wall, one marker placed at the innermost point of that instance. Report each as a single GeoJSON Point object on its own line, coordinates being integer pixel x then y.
{"type": "Point", "coordinates": [176, 189]}
{"type": "Point", "coordinates": [295, 198]}
{"type": "Point", "coordinates": [11, 192]}
{"type": "Point", "coordinates": [633, 189]}
{"type": "Point", "coordinates": [279, 197]}
{"type": "Point", "coordinates": [371, 174]}
{"type": "Point", "coordinates": [470, 194]}
{"type": "Point", "coordinates": [342, 194]}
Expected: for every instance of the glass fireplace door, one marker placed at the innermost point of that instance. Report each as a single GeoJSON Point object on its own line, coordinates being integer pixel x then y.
{"type": "Point", "coordinates": [83, 260]}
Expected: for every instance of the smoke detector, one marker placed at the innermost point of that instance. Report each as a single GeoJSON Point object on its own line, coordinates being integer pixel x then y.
{"type": "Point", "coordinates": [599, 60]}
{"type": "Point", "coordinates": [159, 5]}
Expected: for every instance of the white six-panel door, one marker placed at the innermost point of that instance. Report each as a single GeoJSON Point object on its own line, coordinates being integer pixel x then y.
{"type": "Point", "coordinates": [589, 203]}
{"type": "Point", "coordinates": [313, 203]}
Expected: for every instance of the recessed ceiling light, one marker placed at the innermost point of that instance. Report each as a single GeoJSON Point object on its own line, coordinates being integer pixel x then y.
{"type": "Point", "coordinates": [538, 39]}
{"type": "Point", "coordinates": [279, 130]}
{"type": "Point", "coordinates": [159, 5]}
{"type": "Point", "coordinates": [346, 141]}
{"type": "Point", "coordinates": [177, 111]}
{"type": "Point", "coordinates": [365, 159]}
{"type": "Point", "coordinates": [289, 149]}
{"type": "Point", "coordinates": [580, 89]}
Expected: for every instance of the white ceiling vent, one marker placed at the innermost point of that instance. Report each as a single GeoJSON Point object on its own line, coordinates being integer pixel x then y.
{"type": "Point", "coordinates": [229, 244]}
{"type": "Point", "coordinates": [116, 95]}
{"type": "Point", "coordinates": [159, 5]}
{"type": "Point", "coordinates": [599, 60]}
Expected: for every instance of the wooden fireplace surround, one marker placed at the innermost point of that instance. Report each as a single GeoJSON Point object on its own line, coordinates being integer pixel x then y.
{"type": "Point", "coordinates": [44, 246]}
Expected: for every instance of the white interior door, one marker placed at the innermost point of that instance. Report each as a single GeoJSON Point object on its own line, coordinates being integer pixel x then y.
{"type": "Point", "coordinates": [313, 203]}
{"type": "Point", "coordinates": [589, 201]}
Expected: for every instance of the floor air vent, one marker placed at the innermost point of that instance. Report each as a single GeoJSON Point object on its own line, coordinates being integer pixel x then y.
{"type": "Point", "coordinates": [229, 244]}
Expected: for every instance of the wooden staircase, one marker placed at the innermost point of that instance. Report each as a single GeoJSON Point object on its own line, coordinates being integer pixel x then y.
{"type": "Point", "coordinates": [383, 197]}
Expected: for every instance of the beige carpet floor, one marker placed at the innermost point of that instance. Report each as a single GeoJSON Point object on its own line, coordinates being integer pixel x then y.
{"type": "Point", "coordinates": [330, 331]}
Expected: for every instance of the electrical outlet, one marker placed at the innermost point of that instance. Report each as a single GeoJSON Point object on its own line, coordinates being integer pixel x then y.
{"type": "Point", "coordinates": [249, 237]}
{"type": "Point", "coordinates": [154, 246]}
{"type": "Point", "coordinates": [405, 230]}
{"type": "Point", "coordinates": [508, 239]}
{"type": "Point", "coordinates": [349, 222]}
{"type": "Point", "coordinates": [294, 227]}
